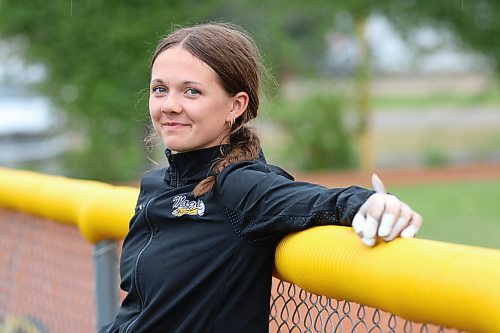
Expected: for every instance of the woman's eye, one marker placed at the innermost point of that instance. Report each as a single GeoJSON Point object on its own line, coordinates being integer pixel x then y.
{"type": "Point", "coordinates": [192, 92]}
{"type": "Point", "coordinates": [159, 90]}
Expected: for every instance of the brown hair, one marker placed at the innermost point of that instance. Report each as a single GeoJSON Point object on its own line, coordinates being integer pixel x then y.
{"type": "Point", "coordinates": [233, 55]}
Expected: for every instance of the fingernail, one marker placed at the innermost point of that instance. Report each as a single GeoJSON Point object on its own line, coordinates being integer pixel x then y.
{"type": "Point", "coordinates": [385, 225]}
{"type": "Point", "coordinates": [409, 232]}
{"type": "Point", "coordinates": [368, 241]}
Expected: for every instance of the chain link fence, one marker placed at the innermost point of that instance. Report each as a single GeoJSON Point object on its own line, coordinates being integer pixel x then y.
{"type": "Point", "coordinates": [295, 310]}
{"type": "Point", "coordinates": [46, 277]}
{"type": "Point", "coordinates": [47, 286]}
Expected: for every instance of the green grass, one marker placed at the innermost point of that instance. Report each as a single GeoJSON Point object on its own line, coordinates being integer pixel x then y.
{"type": "Point", "coordinates": [462, 212]}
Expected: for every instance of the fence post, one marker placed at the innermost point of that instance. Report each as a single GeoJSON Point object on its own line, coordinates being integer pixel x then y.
{"type": "Point", "coordinates": [106, 281]}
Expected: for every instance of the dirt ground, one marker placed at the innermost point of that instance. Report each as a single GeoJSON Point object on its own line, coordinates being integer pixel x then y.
{"type": "Point", "coordinates": [404, 176]}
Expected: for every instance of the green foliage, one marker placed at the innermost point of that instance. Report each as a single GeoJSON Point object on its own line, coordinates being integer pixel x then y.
{"type": "Point", "coordinates": [97, 59]}
{"type": "Point", "coordinates": [290, 33]}
{"type": "Point", "coordinates": [435, 157]}
{"type": "Point", "coordinates": [317, 137]}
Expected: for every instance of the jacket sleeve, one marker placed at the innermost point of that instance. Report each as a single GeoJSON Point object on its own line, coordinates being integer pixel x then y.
{"type": "Point", "coordinates": [264, 206]}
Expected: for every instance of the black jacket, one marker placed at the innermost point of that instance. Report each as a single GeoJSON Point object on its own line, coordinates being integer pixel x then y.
{"type": "Point", "coordinates": [204, 264]}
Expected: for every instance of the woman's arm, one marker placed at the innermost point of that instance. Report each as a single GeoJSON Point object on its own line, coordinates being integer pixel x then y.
{"type": "Point", "coordinates": [264, 206]}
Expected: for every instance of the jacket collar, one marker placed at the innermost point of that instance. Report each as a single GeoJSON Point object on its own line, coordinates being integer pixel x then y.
{"type": "Point", "coordinates": [193, 165]}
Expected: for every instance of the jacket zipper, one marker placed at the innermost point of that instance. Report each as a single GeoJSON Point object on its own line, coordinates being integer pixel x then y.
{"type": "Point", "coordinates": [136, 266]}
{"type": "Point", "coordinates": [175, 177]}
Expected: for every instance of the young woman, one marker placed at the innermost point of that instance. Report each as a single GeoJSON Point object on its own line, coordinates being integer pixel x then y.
{"type": "Point", "coordinates": [199, 253]}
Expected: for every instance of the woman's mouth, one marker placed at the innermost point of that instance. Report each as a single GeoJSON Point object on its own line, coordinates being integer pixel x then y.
{"type": "Point", "coordinates": [172, 125]}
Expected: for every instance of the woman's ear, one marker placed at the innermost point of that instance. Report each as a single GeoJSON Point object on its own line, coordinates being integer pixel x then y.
{"type": "Point", "coordinates": [239, 106]}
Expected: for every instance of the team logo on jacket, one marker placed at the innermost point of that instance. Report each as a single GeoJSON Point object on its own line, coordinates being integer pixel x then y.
{"type": "Point", "coordinates": [183, 206]}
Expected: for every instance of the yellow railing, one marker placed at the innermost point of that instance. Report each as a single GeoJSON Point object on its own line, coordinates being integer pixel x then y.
{"type": "Point", "coordinates": [425, 281]}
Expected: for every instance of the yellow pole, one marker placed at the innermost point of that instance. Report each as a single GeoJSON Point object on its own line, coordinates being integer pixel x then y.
{"type": "Point", "coordinates": [421, 280]}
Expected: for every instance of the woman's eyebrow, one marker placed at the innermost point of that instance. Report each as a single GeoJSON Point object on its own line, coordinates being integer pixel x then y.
{"type": "Point", "coordinates": [186, 82]}
{"type": "Point", "coordinates": [189, 82]}
{"type": "Point", "coordinates": [156, 81]}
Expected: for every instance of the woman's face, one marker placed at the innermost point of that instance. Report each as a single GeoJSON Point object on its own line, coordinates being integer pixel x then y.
{"type": "Point", "coordinates": [188, 106]}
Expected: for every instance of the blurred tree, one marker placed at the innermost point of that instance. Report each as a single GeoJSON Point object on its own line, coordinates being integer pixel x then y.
{"type": "Point", "coordinates": [291, 34]}
{"type": "Point", "coordinates": [97, 56]}
{"type": "Point", "coordinates": [322, 139]}
{"type": "Point", "coordinates": [97, 59]}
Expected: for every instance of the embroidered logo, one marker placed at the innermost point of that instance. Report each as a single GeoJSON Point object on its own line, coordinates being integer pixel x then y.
{"type": "Point", "coordinates": [183, 206]}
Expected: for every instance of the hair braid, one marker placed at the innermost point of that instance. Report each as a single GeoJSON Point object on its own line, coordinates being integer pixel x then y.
{"type": "Point", "coordinates": [244, 145]}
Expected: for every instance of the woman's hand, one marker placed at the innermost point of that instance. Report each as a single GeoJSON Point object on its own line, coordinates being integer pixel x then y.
{"type": "Point", "coordinates": [385, 216]}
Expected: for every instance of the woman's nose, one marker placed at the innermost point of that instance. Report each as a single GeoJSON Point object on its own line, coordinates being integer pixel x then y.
{"type": "Point", "coordinates": [171, 104]}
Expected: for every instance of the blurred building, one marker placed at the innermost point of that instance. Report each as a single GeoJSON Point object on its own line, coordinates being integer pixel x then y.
{"type": "Point", "coordinates": [30, 130]}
